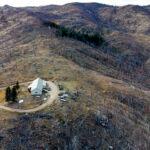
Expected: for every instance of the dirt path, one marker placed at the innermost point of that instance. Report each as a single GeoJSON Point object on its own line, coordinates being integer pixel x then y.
{"type": "Point", "coordinates": [53, 96]}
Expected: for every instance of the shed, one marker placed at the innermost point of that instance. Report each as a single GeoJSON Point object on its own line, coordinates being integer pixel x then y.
{"type": "Point", "coordinates": [37, 86]}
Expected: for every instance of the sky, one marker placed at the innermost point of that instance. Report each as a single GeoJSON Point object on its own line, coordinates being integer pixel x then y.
{"type": "Point", "coordinates": [22, 3]}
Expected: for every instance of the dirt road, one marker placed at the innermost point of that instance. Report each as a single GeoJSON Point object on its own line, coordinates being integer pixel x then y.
{"type": "Point", "coordinates": [53, 96]}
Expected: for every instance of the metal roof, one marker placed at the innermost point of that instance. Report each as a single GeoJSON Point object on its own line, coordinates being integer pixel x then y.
{"type": "Point", "coordinates": [37, 84]}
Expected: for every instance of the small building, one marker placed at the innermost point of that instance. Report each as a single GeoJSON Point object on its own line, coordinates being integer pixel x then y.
{"type": "Point", "coordinates": [37, 86]}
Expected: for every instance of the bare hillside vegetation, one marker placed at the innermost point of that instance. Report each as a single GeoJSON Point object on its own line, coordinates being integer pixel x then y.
{"type": "Point", "coordinates": [108, 83]}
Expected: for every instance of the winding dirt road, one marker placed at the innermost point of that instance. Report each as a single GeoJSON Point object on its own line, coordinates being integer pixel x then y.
{"type": "Point", "coordinates": [53, 96]}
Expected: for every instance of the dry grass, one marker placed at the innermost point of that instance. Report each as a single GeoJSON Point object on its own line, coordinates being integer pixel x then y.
{"type": "Point", "coordinates": [35, 54]}
{"type": "Point", "coordinates": [2, 96]}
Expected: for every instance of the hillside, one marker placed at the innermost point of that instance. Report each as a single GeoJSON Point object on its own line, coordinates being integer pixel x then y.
{"type": "Point", "coordinates": [112, 78]}
{"type": "Point", "coordinates": [127, 53]}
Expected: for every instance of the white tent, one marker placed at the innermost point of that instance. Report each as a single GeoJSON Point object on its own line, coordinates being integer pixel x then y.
{"type": "Point", "coordinates": [36, 87]}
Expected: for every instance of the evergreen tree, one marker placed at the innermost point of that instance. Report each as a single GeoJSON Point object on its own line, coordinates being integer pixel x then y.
{"type": "Point", "coordinates": [14, 93]}
{"type": "Point", "coordinates": [8, 94]}
{"type": "Point", "coordinates": [17, 85]}
{"type": "Point", "coordinates": [93, 38]}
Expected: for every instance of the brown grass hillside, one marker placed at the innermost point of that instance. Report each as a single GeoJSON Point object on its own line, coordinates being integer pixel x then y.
{"type": "Point", "coordinates": [109, 101]}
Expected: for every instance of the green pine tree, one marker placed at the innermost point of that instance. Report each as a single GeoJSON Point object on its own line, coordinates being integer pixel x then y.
{"type": "Point", "coordinates": [8, 94]}
{"type": "Point", "coordinates": [17, 85]}
{"type": "Point", "coordinates": [14, 94]}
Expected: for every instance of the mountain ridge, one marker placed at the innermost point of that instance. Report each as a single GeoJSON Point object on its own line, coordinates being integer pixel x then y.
{"type": "Point", "coordinates": [129, 39]}
{"type": "Point", "coordinates": [108, 83]}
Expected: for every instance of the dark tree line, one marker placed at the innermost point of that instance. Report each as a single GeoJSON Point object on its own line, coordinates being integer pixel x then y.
{"type": "Point", "coordinates": [12, 93]}
{"type": "Point", "coordinates": [92, 39]}
{"type": "Point", "coordinates": [51, 24]}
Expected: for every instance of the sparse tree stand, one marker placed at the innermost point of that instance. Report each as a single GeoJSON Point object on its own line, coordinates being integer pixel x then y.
{"type": "Point", "coordinates": [8, 94]}
{"type": "Point", "coordinates": [11, 94]}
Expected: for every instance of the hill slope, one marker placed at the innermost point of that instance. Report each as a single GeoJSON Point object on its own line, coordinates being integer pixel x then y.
{"type": "Point", "coordinates": [127, 50]}
{"type": "Point", "coordinates": [112, 79]}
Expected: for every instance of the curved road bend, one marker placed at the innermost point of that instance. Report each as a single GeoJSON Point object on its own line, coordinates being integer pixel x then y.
{"type": "Point", "coordinates": [53, 96]}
